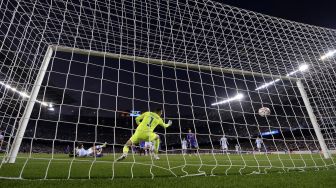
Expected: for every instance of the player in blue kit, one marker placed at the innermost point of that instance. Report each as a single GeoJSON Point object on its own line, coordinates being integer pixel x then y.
{"type": "Point", "coordinates": [142, 147]}
{"type": "Point", "coordinates": [191, 138]}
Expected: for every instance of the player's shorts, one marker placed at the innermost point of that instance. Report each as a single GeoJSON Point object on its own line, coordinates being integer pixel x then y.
{"type": "Point", "coordinates": [224, 147]}
{"type": "Point", "coordinates": [143, 136]}
{"type": "Point", "coordinates": [148, 145]}
{"type": "Point", "coordinates": [184, 147]}
{"type": "Point", "coordinates": [99, 155]}
{"type": "Point", "coordinates": [258, 146]}
{"type": "Point", "coordinates": [193, 145]}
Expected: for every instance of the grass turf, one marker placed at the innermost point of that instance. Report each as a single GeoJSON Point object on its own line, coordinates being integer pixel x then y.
{"type": "Point", "coordinates": [317, 171]}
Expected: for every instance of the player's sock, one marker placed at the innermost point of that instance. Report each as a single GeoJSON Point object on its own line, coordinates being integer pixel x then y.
{"type": "Point", "coordinates": [125, 149]}
{"type": "Point", "coordinates": [156, 146]}
{"type": "Point", "coordinates": [104, 145]}
{"type": "Point", "coordinates": [124, 155]}
{"type": "Point", "coordinates": [101, 146]}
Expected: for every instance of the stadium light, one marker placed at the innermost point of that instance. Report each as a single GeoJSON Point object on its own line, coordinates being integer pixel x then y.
{"type": "Point", "coordinates": [23, 94]}
{"type": "Point", "coordinates": [267, 84]}
{"type": "Point", "coordinates": [327, 55]}
{"type": "Point", "coordinates": [237, 97]}
{"type": "Point", "coordinates": [51, 107]}
{"type": "Point", "coordinates": [302, 68]}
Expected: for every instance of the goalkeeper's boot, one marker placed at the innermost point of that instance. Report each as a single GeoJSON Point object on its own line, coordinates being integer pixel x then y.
{"type": "Point", "coordinates": [122, 157]}
{"type": "Point", "coordinates": [156, 157]}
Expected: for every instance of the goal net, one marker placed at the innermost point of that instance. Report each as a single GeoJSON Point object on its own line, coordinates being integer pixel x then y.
{"type": "Point", "coordinates": [246, 93]}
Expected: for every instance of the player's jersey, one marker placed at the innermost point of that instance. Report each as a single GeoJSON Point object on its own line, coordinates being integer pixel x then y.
{"type": "Point", "coordinates": [184, 144]}
{"type": "Point", "coordinates": [149, 121]}
{"type": "Point", "coordinates": [142, 144]}
{"type": "Point", "coordinates": [81, 152]}
{"type": "Point", "coordinates": [191, 138]}
{"type": "Point", "coordinates": [223, 141]}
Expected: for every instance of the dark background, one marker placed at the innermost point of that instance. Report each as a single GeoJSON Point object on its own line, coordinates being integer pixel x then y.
{"type": "Point", "coordinates": [320, 13]}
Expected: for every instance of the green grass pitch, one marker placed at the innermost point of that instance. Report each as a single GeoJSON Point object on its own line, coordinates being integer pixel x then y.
{"type": "Point", "coordinates": [171, 171]}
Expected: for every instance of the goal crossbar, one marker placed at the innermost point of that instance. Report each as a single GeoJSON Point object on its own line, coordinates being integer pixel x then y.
{"type": "Point", "coordinates": [168, 63]}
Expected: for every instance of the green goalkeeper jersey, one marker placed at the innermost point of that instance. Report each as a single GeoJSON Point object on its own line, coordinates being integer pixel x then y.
{"type": "Point", "coordinates": [149, 121]}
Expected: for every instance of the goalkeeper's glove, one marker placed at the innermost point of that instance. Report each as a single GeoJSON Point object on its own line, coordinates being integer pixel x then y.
{"type": "Point", "coordinates": [169, 123]}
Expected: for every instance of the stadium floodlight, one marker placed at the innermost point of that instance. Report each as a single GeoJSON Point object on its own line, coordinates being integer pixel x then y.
{"type": "Point", "coordinates": [239, 96]}
{"type": "Point", "coordinates": [302, 68]}
{"type": "Point", "coordinates": [44, 103]}
{"type": "Point", "coordinates": [51, 107]}
{"type": "Point", "coordinates": [327, 55]}
{"type": "Point", "coordinates": [267, 84]}
{"type": "Point", "coordinates": [22, 94]}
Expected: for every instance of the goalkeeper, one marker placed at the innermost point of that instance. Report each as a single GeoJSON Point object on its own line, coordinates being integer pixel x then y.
{"type": "Point", "coordinates": [144, 132]}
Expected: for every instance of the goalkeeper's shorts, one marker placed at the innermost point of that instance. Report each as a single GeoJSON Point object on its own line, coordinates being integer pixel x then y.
{"type": "Point", "coordinates": [143, 136]}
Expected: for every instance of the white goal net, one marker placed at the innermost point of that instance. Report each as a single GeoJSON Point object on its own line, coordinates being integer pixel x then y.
{"type": "Point", "coordinates": [246, 93]}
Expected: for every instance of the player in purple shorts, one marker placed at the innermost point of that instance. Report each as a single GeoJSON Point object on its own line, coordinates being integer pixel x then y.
{"type": "Point", "coordinates": [191, 138]}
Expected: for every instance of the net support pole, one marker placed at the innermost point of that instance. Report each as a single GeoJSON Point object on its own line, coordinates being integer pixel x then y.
{"type": "Point", "coordinates": [29, 108]}
{"type": "Point", "coordinates": [313, 120]}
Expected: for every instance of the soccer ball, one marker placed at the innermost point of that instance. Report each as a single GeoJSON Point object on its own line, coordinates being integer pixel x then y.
{"type": "Point", "coordinates": [264, 111]}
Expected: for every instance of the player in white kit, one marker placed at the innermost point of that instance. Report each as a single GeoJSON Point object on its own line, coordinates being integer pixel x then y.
{"type": "Point", "coordinates": [224, 144]}
{"type": "Point", "coordinates": [149, 148]}
{"type": "Point", "coordinates": [92, 151]}
{"type": "Point", "coordinates": [258, 143]}
{"type": "Point", "coordinates": [237, 147]}
{"type": "Point", "coordinates": [184, 146]}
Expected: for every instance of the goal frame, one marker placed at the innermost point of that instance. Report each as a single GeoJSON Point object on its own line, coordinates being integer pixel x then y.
{"type": "Point", "coordinates": [12, 155]}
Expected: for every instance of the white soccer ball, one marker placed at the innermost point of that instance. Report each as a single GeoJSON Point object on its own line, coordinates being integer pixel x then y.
{"type": "Point", "coordinates": [264, 111]}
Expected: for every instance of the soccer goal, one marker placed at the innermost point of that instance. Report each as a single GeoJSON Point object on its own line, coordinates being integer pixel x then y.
{"type": "Point", "coordinates": [246, 93]}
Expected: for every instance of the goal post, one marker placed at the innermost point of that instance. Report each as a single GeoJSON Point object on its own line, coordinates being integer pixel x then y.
{"type": "Point", "coordinates": [54, 48]}
{"type": "Point", "coordinates": [313, 120]}
{"type": "Point", "coordinates": [13, 152]}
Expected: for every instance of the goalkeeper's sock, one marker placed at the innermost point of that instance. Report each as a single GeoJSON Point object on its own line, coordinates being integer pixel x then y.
{"type": "Point", "coordinates": [125, 149]}
{"type": "Point", "coordinates": [156, 145]}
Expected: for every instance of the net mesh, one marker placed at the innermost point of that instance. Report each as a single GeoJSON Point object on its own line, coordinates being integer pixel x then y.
{"type": "Point", "coordinates": [113, 57]}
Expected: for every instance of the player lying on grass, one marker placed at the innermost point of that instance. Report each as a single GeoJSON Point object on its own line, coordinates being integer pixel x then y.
{"type": "Point", "coordinates": [146, 122]}
{"type": "Point", "coordinates": [96, 151]}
